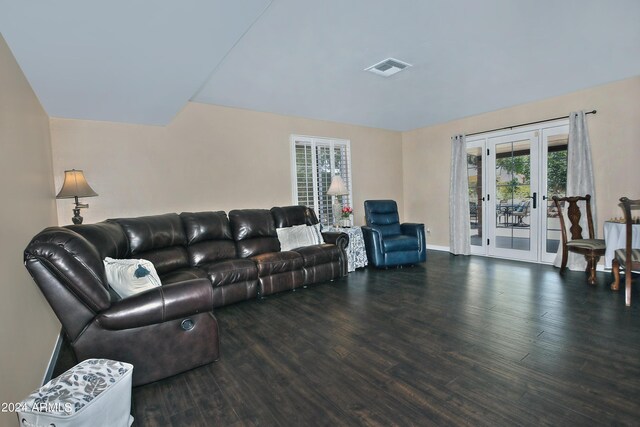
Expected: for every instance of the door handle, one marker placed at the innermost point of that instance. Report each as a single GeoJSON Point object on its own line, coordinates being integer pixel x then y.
{"type": "Point", "coordinates": [534, 197]}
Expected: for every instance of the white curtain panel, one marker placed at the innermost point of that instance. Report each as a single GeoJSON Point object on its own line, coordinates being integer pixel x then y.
{"type": "Point", "coordinates": [580, 182]}
{"type": "Point", "coordinates": [459, 237]}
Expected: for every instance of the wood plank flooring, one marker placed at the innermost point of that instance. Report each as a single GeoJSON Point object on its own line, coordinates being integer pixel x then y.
{"type": "Point", "coordinates": [456, 341]}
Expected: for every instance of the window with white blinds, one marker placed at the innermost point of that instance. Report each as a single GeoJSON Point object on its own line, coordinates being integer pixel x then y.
{"type": "Point", "coordinates": [315, 162]}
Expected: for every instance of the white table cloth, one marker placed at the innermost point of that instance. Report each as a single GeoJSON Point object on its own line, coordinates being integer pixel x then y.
{"type": "Point", "coordinates": [356, 253]}
{"type": "Point", "coordinates": [615, 237]}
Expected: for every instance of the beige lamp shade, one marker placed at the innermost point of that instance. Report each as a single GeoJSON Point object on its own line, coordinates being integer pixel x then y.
{"type": "Point", "coordinates": [75, 185]}
{"type": "Point", "coordinates": [337, 187]}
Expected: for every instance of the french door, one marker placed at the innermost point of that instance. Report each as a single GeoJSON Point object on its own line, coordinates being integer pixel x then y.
{"type": "Point", "coordinates": [512, 196]}
{"type": "Point", "coordinates": [512, 176]}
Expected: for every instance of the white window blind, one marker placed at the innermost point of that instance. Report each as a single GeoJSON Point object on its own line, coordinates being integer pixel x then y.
{"type": "Point", "coordinates": [315, 162]}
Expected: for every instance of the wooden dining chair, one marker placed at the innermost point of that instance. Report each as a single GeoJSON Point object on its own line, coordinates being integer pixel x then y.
{"type": "Point", "coordinates": [629, 257]}
{"type": "Point", "coordinates": [591, 248]}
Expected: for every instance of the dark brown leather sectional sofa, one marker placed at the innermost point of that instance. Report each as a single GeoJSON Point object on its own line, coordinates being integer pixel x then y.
{"type": "Point", "coordinates": [204, 259]}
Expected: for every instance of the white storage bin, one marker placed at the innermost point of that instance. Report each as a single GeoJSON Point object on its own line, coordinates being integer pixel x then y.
{"type": "Point", "coordinates": [96, 392]}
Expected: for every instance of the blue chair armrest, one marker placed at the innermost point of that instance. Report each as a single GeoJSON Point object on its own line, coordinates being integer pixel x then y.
{"type": "Point", "coordinates": [416, 230]}
{"type": "Point", "coordinates": [412, 229]}
{"type": "Point", "coordinates": [373, 245]}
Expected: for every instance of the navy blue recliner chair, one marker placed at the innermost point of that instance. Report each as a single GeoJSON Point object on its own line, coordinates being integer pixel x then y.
{"type": "Point", "coordinates": [388, 242]}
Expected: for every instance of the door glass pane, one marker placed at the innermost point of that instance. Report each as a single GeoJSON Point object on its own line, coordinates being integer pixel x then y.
{"type": "Point", "coordinates": [474, 176]}
{"type": "Point", "coordinates": [556, 186]}
{"type": "Point", "coordinates": [513, 210]}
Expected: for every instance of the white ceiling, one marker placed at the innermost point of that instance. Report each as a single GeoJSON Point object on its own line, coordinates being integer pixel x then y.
{"type": "Point", "coordinates": [136, 61]}
{"type": "Point", "coordinates": [122, 60]}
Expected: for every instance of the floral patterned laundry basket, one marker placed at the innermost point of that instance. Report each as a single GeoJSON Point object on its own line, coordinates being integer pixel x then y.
{"type": "Point", "coordinates": [96, 392]}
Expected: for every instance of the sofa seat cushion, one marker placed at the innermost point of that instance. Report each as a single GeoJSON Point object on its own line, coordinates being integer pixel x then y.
{"type": "Point", "coordinates": [319, 254]}
{"type": "Point", "coordinates": [230, 271]}
{"type": "Point", "coordinates": [182, 274]}
{"type": "Point", "coordinates": [400, 242]}
{"type": "Point", "coordinates": [277, 262]}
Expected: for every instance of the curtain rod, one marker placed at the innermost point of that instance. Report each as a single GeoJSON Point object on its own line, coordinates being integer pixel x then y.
{"type": "Point", "coordinates": [526, 124]}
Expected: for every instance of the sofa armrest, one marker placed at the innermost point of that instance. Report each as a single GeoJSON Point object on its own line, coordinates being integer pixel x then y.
{"type": "Point", "coordinates": [159, 305]}
{"type": "Point", "coordinates": [339, 239]}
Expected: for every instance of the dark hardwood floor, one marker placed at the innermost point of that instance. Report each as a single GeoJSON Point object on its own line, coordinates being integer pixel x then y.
{"type": "Point", "coordinates": [456, 341]}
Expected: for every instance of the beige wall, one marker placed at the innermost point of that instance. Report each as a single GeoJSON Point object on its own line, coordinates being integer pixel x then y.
{"type": "Point", "coordinates": [615, 144]}
{"type": "Point", "coordinates": [213, 157]}
{"type": "Point", "coordinates": [210, 158]}
{"type": "Point", "coordinates": [29, 327]}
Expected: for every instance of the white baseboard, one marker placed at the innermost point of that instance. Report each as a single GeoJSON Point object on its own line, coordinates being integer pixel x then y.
{"type": "Point", "coordinates": [53, 359]}
{"type": "Point", "coordinates": [438, 248]}
{"type": "Point", "coordinates": [599, 267]}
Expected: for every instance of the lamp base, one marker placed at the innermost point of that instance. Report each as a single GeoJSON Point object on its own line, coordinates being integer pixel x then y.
{"type": "Point", "coordinates": [77, 218]}
{"type": "Point", "coordinates": [337, 212]}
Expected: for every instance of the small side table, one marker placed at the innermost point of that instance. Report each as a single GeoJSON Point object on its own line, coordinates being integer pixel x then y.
{"type": "Point", "coordinates": [94, 392]}
{"type": "Point", "coordinates": [356, 253]}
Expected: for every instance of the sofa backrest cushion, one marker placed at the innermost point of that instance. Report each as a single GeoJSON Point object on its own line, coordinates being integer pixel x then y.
{"type": "Point", "coordinates": [254, 232]}
{"type": "Point", "coordinates": [382, 215]}
{"type": "Point", "coordinates": [157, 238]}
{"type": "Point", "coordinates": [288, 216]}
{"type": "Point", "coordinates": [107, 237]}
{"type": "Point", "coordinates": [208, 237]}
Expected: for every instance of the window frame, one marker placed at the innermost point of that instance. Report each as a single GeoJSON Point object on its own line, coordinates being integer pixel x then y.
{"type": "Point", "coordinates": [314, 142]}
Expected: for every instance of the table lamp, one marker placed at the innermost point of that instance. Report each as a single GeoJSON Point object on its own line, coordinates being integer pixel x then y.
{"type": "Point", "coordinates": [75, 185]}
{"type": "Point", "coordinates": [337, 188]}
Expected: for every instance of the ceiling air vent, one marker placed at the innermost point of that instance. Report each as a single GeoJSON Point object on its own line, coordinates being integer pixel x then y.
{"type": "Point", "coordinates": [388, 67]}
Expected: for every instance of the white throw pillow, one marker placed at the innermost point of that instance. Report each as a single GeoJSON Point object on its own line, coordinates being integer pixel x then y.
{"type": "Point", "coordinates": [316, 232]}
{"type": "Point", "coordinates": [294, 237]}
{"type": "Point", "coordinates": [130, 276]}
